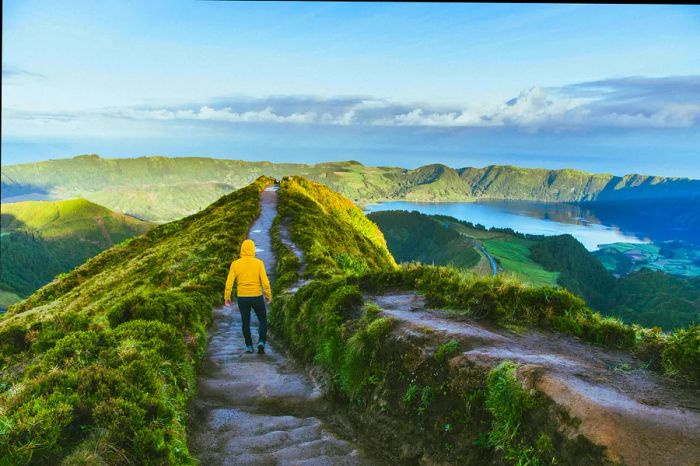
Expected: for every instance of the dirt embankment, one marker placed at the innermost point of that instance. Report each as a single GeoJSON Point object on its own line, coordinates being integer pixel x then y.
{"type": "Point", "coordinates": [639, 417]}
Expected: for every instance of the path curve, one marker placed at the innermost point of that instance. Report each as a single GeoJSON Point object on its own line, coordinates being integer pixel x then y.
{"type": "Point", "coordinates": [494, 268]}
{"type": "Point", "coordinates": [262, 409]}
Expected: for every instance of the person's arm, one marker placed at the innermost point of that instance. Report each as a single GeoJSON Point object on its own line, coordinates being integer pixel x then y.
{"type": "Point", "coordinates": [229, 284]}
{"type": "Point", "coordinates": [265, 283]}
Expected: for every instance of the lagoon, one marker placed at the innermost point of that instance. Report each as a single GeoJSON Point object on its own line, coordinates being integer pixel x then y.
{"type": "Point", "coordinates": [527, 217]}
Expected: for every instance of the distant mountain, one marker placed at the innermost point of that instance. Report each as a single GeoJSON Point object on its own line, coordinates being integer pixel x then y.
{"type": "Point", "coordinates": [162, 189]}
{"type": "Point", "coordinates": [41, 239]}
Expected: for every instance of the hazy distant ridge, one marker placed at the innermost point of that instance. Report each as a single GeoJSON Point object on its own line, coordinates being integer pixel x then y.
{"type": "Point", "coordinates": [162, 188]}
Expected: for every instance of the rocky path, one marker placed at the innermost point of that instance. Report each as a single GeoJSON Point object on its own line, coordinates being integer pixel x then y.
{"type": "Point", "coordinates": [262, 409]}
{"type": "Point", "coordinates": [641, 417]}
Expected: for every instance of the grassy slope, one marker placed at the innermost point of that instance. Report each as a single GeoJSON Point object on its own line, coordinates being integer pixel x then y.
{"type": "Point", "coordinates": [160, 188]}
{"type": "Point", "coordinates": [8, 298]}
{"type": "Point", "coordinates": [41, 239]}
{"type": "Point", "coordinates": [645, 298]}
{"type": "Point", "coordinates": [56, 219]}
{"type": "Point", "coordinates": [416, 237]}
{"type": "Point", "coordinates": [334, 234]}
{"type": "Point", "coordinates": [579, 271]}
{"type": "Point", "coordinates": [656, 299]}
{"type": "Point", "coordinates": [511, 252]}
{"type": "Point", "coordinates": [502, 298]}
{"type": "Point", "coordinates": [399, 385]}
{"type": "Point", "coordinates": [98, 365]}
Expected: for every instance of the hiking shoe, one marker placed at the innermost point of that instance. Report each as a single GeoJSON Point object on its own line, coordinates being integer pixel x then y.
{"type": "Point", "coordinates": [248, 349]}
{"type": "Point", "coordinates": [261, 348]}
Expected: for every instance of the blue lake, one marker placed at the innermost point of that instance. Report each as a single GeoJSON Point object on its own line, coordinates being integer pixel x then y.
{"type": "Point", "coordinates": [581, 221]}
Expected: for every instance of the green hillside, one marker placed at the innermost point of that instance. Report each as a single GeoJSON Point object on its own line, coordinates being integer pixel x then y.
{"type": "Point", "coordinates": [40, 239]}
{"type": "Point", "coordinates": [162, 189]}
{"type": "Point", "coordinates": [656, 299]}
{"type": "Point", "coordinates": [305, 206]}
{"type": "Point", "coordinates": [56, 219]}
{"type": "Point", "coordinates": [509, 249]}
{"type": "Point", "coordinates": [416, 237]}
{"type": "Point", "coordinates": [652, 299]}
{"type": "Point", "coordinates": [98, 366]}
{"type": "Point", "coordinates": [400, 383]}
{"type": "Point", "coordinates": [335, 235]}
{"type": "Point", "coordinates": [579, 271]}
{"type": "Point", "coordinates": [645, 297]}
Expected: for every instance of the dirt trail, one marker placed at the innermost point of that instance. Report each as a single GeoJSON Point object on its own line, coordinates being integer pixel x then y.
{"type": "Point", "coordinates": [641, 417]}
{"type": "Point", "coordinates": [261, 409]}
{"type": "Point", "coordinates": [286, 237]}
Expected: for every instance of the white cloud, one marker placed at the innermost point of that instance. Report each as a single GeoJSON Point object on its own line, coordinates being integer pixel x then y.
{"type": "Point", "coordinates": [672, 102]}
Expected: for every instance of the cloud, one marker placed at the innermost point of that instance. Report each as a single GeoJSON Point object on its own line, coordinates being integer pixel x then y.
{"type": "Point", "coordinates": [14, 73]}
{"type": "Point", "coordinates": [266, 115]}
{"type": "Point", "coordinates": [11, 114]}
{"type": "Point", "coordinates": [624, 103]}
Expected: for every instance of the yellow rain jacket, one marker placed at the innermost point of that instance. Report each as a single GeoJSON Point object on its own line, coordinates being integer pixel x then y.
{"type": "Point", "coordinates": [250, 273]}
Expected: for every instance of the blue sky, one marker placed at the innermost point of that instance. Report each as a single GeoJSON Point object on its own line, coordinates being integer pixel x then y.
{"type": "Point", "coordinates": [601, 88]}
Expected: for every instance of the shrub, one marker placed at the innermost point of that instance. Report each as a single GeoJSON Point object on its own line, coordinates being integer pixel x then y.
{"type": "Point", "coordinates": [445, 350]}
{"type": "Point", "coordinates": [360, 368]}
{"type": "Point", "coordinates": [681, 355]}
{"type": "Point", "coordinates": [509, 403]}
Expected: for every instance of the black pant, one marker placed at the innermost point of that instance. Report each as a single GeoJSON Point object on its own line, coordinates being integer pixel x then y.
{"type": "Point", "coordinates": [257, 303]}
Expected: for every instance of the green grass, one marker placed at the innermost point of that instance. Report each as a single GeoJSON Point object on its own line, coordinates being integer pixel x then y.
{"type": "Point", "coordinates": [99, 365]}
{"type": "Point", "coordinates": [510, 250]}
{"type": "Point", "coordinates": [464, 414]}
{"type": "Point", "coordinates": [416, 237]}
{"type": "Point", "coordinates": [513, 254]}
{"type": "Point", "coordinates": [56, 219]}
{"type": "Point", "coordinates": [333, 233]}
{"type": "Point", "coordinates": [509, 404]}
{"type": "Point", "coordinates": [41, 239]}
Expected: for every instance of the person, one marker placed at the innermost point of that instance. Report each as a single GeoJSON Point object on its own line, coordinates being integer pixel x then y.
{"type": "Point", "coordinates": [252, 279]}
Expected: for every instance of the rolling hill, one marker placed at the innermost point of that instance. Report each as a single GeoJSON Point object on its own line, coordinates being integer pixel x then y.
{"type": "Point", "coordinates": [100, 364]}
{"type": "Point", "coordinates": [41, 239]}
{"type": "Point", "coordinates": [415, 237]}
{"type": "Point", "coordinates": [418, 357]}
{"type": "Point", "coordinates": [161, 189]}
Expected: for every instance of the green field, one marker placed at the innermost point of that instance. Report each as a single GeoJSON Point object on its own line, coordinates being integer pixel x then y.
{"type": "Point", "coordinates": [513, 254]}
{"type": "Point", "coordinates": [673, 257]}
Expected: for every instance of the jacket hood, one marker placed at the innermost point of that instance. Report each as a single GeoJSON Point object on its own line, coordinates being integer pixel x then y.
{"type": "Point", "coordinates": [248, 248]}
